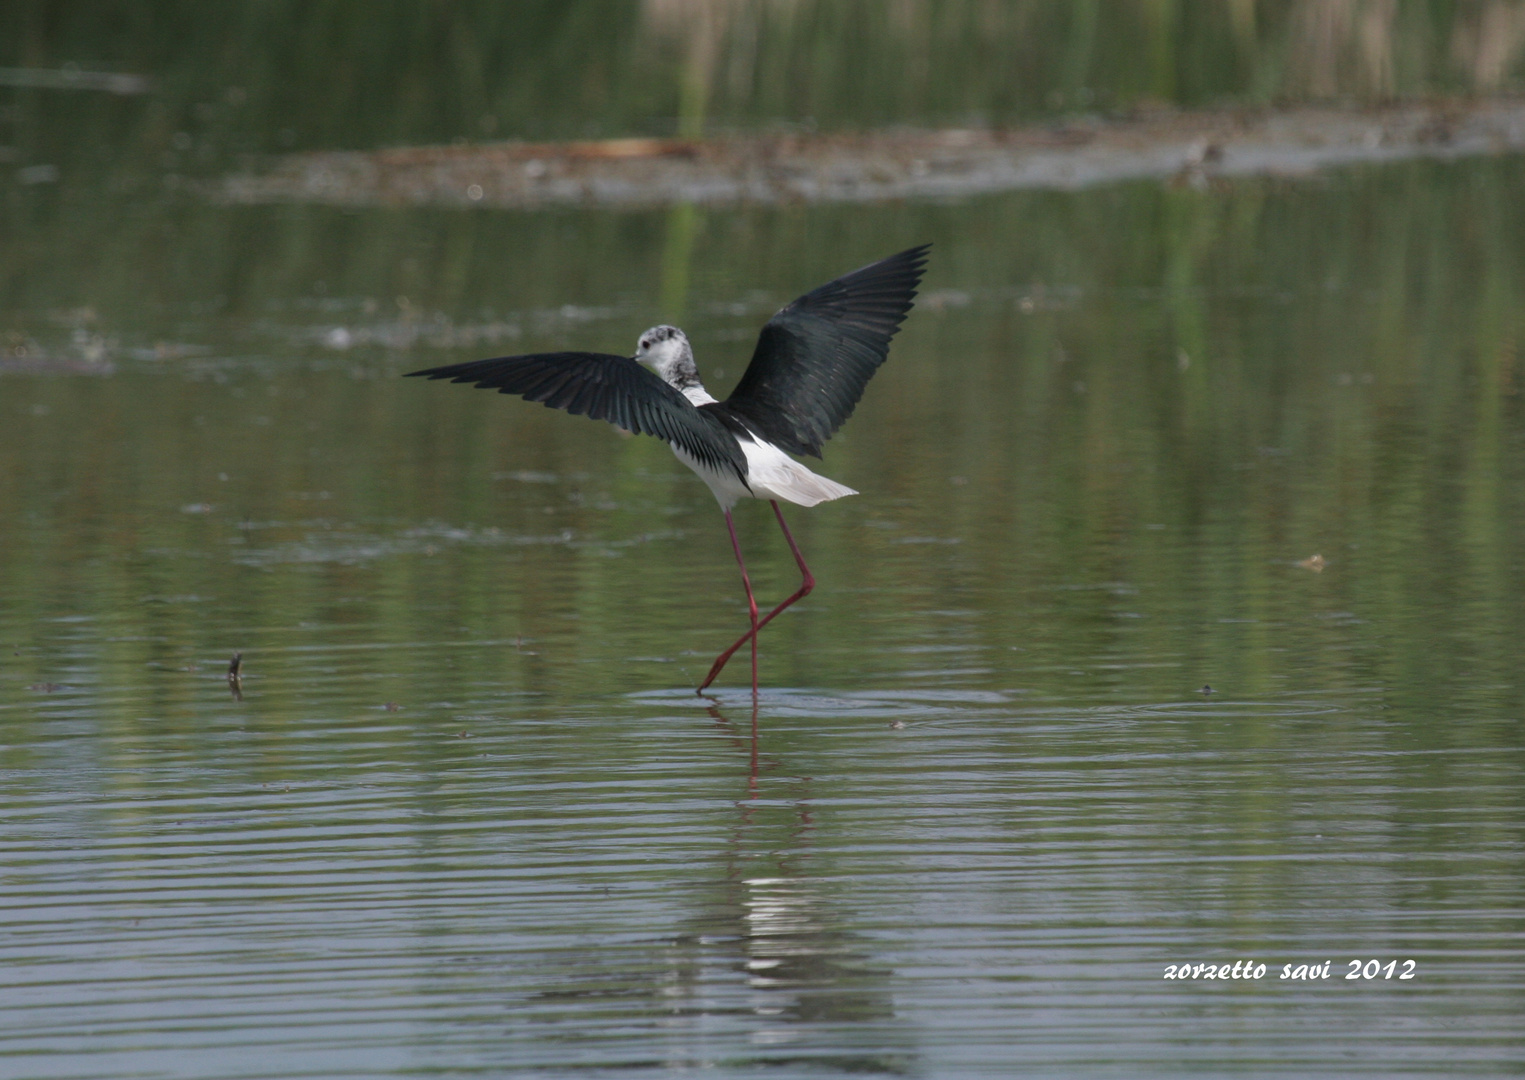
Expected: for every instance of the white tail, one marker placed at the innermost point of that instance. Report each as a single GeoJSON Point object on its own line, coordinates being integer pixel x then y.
{"type": "Point", "coordinates": [772, 474]}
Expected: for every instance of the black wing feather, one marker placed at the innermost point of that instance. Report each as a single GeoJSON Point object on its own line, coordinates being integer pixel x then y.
{"type": "Point", "coordinates": [605, 387]}
{"type": "Point", "coordinates": [814, 357]}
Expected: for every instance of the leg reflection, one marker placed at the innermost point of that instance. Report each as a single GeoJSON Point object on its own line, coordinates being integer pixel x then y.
{"type": "Point", "coordinates": [750, 744]}
{"type": "Point", "coordinates": [809, 980]}
{"type": "Point", "coordinates": [760, 960]}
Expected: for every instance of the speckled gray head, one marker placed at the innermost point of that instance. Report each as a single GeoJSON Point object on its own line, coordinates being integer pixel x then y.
{"type": "Point", "coordinates": [665, 349]}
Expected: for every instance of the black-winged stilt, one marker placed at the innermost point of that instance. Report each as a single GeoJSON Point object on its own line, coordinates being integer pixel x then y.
{"type": "Point", "coordinates": [808, 371]}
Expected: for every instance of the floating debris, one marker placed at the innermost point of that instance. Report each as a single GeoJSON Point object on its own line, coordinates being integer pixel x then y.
{"type": "Point", "coordinates": [1313, 562]}
{"type": "Point", "coordinates": [37, 174]}
{"type": "Point", "coordinates": [774, 167]}
{"type": "Point", "coordinates": [69, 77]}
{"type": "Point", "coordinates": [236, 676]}
{"type": "Point", "coordinates": [27, 357]}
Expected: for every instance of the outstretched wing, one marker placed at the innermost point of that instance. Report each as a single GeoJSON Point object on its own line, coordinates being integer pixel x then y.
{"type": "Point", "coordinates": [605, 387]}
{"type": "Point", "coordinates": [814, 357]}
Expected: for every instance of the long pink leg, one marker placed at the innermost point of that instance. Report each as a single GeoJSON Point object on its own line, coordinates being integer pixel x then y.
{"type": "Point", "coordinates": [804, 590]}
{"type": "Point", "coordinates": [751, 600]}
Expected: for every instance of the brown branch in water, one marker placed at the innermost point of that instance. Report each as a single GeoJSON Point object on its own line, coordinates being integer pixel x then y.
{"type": "Point", "coordinates": [775, 167]}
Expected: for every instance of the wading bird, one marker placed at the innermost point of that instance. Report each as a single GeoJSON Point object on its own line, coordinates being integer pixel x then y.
{"type": "Point", "coordinates": [808, 371]}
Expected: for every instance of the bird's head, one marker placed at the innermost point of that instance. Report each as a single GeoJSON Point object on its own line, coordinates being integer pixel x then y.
{"type": "Point", "coordinates": [665, 349]}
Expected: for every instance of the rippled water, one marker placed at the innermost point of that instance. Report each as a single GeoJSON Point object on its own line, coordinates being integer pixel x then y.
{"type": "Point", "coordinates": [495, 878]}
{"type": "Point", "coordinates": [1178, 623]}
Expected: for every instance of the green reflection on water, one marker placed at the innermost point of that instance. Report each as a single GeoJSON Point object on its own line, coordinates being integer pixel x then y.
{"type": "Point", "coordinates": [1115, 425]}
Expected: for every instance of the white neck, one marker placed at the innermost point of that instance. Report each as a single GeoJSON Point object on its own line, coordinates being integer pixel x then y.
{"type": "Point", "coordinates": [698, 395]}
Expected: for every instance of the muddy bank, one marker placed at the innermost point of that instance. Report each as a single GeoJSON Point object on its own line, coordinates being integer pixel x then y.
{"type": "Point", "coordinates": [895, 164]}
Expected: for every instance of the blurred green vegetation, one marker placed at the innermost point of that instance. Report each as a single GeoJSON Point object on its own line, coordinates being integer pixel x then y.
{"type": "Point", "coordinates": [262, 76]}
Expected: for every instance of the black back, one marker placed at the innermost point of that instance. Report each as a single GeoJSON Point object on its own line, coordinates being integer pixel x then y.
{"type": "Point", "coordinates": [815, 356]}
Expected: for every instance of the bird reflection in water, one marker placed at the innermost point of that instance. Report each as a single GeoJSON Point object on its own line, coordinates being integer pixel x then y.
{"type": "Point", "coordinates": [813, 990]}
{"type": "Point", "coordinates": [762, 967]}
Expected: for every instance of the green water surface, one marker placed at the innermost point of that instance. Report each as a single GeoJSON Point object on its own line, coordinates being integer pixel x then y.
{"type": "Point", "coordinates": [469, 818]}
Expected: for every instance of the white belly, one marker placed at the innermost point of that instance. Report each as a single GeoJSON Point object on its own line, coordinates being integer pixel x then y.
{"type": "Point", "coordinates": [771, 474]}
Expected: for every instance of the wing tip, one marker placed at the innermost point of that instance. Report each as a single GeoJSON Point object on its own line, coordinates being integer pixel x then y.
{"type": "Point", "coordinates": [433, 372]}
{"type": "Point", "coordinates": [902, 270]}
{"type": "Point", "coordinates": [915, 258]}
